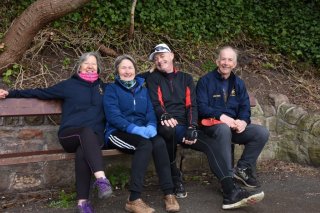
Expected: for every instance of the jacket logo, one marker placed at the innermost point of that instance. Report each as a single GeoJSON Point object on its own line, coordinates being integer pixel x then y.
{"type": "Point", "coordinates": [100, 90]}
{"type": "Point", "coordinates": [233, 92]}
{"type": "Point", "coordinates": [216, 96]}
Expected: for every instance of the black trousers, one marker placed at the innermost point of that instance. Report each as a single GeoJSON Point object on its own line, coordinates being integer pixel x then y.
{"type": "Point", "coordinates": [217, 154]}
{"type": "Point", "coordinates": [142, 149]}
{"type": "Point", "coordinates": [87, 145]}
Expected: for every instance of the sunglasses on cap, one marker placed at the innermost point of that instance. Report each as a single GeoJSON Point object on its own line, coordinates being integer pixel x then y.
{"type": "Point", "coordinates": [160, 48]}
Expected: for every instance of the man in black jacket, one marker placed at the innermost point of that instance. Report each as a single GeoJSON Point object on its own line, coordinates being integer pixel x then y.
{"type": "Point", "coordinates": [174, 100]}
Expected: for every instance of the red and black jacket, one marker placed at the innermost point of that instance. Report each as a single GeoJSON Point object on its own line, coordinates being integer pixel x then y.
{"type": "Point", "coordinates": [173, 93]}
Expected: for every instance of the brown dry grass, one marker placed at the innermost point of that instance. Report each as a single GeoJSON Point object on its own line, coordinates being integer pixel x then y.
{"type": "Point", "coordinates": [54, 53]}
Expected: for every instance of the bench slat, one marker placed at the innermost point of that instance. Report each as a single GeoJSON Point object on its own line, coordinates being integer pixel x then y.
{"type": "Point", "coordinates": [39, 156]}
{"type": "Point", "coordinates": [29, 106]}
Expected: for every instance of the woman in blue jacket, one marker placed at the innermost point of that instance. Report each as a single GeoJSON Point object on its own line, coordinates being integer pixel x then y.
{"type": "Point", "coordinates": [131, 128]}
{"type": "Point", "coordinates": [82, 123]}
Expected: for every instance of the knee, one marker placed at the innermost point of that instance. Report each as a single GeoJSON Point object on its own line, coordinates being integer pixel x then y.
{"type": "Point", "coordinates": [263, 134]}
{"type": "Point", "coordinates": [86, 131]}
{"type": "Point", "coordinates": [145, 145]}
{"type": "Point", "coordinates": [159, 143]}
{"type": "Point", "coordinates": [219, 130]}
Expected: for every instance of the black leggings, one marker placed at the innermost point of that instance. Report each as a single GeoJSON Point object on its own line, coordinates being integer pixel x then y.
{"type": "Point", "coordinates": [87, 146]}
{"type": "Point", "coordinates": [142, 149]}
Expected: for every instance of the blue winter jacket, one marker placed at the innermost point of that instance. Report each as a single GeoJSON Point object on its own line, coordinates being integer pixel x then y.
{"type": "Point", "coordinates": [126, 108]}
{"type": "Point", "coordinates": [82, 102]}
{"type": "Point", "coordinates": [211, 102]}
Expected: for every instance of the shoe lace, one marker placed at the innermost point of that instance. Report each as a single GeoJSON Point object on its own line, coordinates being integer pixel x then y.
{"type": "Point", "coordinates": [170, 199]}
{"type": "Point", "coordinates": [143, 204]}
{"type": "Point", "coordinates": [103, 184]}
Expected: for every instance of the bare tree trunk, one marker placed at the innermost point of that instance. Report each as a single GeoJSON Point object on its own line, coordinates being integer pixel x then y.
{"type": "Point", "coordinates": [22, 31]}
{"type": "Point", "coordinates": [133, 7]}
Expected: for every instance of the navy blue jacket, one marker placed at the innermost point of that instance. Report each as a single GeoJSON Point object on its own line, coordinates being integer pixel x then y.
{"type": "Point", "coordinates": [126, 108]}
{"type": "Point", "coordinates": [82, 102]}
{"type": "Point", "coordinates": [211, 102]}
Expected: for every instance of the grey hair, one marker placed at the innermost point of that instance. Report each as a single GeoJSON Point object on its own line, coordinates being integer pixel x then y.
{"type": "Point", "coordinates": [228, 47]}
{"type": "Point", "coordinates": [120, 58]}
{"type": "Point", "coordinates": [85, 56]}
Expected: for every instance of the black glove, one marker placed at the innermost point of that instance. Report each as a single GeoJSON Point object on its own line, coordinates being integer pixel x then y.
{"type": "Point", "coordinates": [191, 134]}
{"type": "Point", "coordinates": [165, 116]}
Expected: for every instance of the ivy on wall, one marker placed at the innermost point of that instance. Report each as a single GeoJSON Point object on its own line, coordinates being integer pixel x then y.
{"type": "Point", "coordinates": [291, 27]}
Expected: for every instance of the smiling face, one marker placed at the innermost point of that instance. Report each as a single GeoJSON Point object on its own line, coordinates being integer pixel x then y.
{"type": "Point", "coordinates": [164, 62]}
{"type": "Point", "coordinates": [126, 70]}
{"type": "Point", "coordinates": [89, 65]}
{"type": "Point", "coordinates": [226, 62]}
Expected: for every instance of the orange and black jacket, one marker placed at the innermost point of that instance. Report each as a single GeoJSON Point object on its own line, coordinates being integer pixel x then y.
{"type": "Point", "coordinates": [173, 93]}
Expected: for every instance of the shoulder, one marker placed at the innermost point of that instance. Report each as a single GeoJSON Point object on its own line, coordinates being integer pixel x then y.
{"type": "Point", "coordinates": [238, 79]}
{"type": "Point", "coordinates": [111, 87]}
{"type": "Point", "coordinates": [184, 75]}
{"type": "Point", "coordinates": [154, 77]}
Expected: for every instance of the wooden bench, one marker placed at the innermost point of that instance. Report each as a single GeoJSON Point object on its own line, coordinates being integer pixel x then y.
{"type": "Point", "coordinates": [12, 107]}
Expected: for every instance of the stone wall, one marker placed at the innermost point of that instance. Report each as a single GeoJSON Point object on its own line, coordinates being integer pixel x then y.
{"type": "Point", "coordinates": [294, 136]}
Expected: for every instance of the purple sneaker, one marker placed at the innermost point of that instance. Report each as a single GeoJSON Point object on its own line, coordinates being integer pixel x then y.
{"type": "Point", "coordinates": [85, 207]}
{"type": "Point", "coordinates": [104, 187]}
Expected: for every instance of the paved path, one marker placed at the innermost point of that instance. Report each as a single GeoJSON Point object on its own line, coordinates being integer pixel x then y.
{"type": "Point", "coordinates": [284, 192]}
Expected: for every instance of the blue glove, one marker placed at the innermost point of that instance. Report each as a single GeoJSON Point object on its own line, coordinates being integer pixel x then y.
{"type": "Point", "coordinates": [140, 130]}
{"type": "Point", "coordinates": [150, 131]}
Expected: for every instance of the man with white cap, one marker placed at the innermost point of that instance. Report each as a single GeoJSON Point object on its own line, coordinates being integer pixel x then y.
{"type": "Point", "coordinates": [174, 100]}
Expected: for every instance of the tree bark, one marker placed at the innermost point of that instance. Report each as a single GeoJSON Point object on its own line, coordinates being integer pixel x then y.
{"type": "Point", "coordinates": [23, 29]}
{"type": "Point", "coordinates": [133, 8]}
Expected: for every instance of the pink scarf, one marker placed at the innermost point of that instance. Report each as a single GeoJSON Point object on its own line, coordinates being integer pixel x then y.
{"type": "Point", "coordinates": [90, 76]}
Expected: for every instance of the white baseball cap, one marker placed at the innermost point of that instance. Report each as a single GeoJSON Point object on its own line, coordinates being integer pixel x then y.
{"type": "Point", "coordinates": [160, 48]}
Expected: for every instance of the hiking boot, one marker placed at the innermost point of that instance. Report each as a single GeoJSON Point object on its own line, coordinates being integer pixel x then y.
{"type": "Point", "coordinates": [171, 203]}
{"type": "Point", "coordinates": [245, 176]}
{"type": "Point", "coordinates": [138, 206]}
{"type": "Point", "coordinates": [240, 197]}
{"type": "Point", "coordinates": [85, 207]}
{"type": "Point", "coordinates": [104, 187]}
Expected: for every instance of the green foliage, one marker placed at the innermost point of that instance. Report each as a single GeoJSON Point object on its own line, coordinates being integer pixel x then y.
{"type": "Point", "coordinates": [119, 176]}
{"type": "Point", "coordinates": [208, 66]}
{"type": "Point", "coordinates": [66, 200]}
{"type": "Point", "coordinates": [66, 62]}
{"type": "Point", "coordinates": [268, 65]}
{"type": "Point", "coordinates": [11, 73]}
{"type": "Point", "coordinates": [291, 27]}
